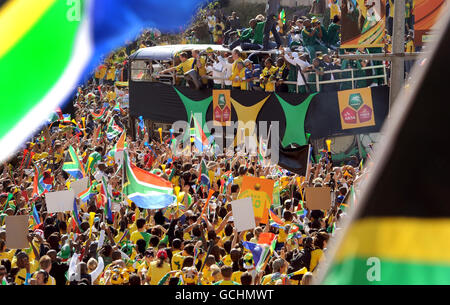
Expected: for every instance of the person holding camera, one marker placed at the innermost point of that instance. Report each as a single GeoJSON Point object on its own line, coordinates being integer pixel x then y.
{"type": "Point", "coordinates": [268, 76]}
{"type": "Point", "coordinates": [295, 34]}
{"type": "Point", "coordinates": [299, 60]}
{"type": "Point", "coordinates": [317, 70]}
{"type": "Point", "coordinates": [312, 36]}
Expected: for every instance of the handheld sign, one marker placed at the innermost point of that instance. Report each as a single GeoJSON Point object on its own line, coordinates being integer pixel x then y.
{"type": "Point", "coordinates": [243, 214]}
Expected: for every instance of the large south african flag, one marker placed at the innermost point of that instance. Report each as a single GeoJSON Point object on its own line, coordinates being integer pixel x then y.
{"type": "Point", "coordinates": [50, 46]}
{"type": "Point", "coordinates": [72, 164]}
{"type": "Point", "coordinates": [146, 190]}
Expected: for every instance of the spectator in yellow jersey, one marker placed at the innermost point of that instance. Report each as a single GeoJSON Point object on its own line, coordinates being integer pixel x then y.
{"type": "Point", "coordinates": [226, 272]}
{"type": "Point", "coordinates": [158, 268]}
{"type": "Point", "coordinates": [268, 76]}
{"type": "Point", "coordinates": [409, 48]}
{"type": "Point", "coordinates": [185, 65]}
{"type": "Point", "coordinates": [111, 75]}
{"type": "Point", "coordinates": [238, 76]}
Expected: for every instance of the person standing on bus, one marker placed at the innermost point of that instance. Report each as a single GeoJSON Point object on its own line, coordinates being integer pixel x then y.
{"type": "Point", "coordinates": [186, 65]}
{"type": "Point", "coordinates": [200, 66]}
{"type": "Point", "coordinates": [272, 9]}
{"type": "Point", "coordinates": [236, 54]}
{"type": "Point", "coordinates": [268, 76]}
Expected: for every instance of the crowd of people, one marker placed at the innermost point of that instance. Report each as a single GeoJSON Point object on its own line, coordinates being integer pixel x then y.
{"type": "Point", "coordinates": [154, 247]}
{"type": "Point", "coordinates": [312, 50]}
{"type": "Point", "coordinates": [177, 245]}
{"type": "Point", "coordinates": [286, 71]}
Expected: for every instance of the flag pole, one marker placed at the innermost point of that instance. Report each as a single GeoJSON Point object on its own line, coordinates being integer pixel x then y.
{"type": "Point", "coordinates": [267, 146]}
{"type": "Point", "coordinates": [123, 173]}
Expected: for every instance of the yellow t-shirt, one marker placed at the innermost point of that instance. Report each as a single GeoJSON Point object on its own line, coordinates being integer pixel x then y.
{"type": "Point", "coordinates": [316, 255]}
{"type": "Point", "coordinates": [22, 274]}
{"type": "Point", "coordinates": [100, 72]}
{"type": "Point", "coordinates": [136, 236]}
{"type": "Point", "coordinates": [111, 75]}
{"type": "Point", "coordinates": [282, 235]}
{"type": "Point", "coordinates": [227, 260]}
{"type": "Point", "coordinates": [133, 227]}
{"type": "Point", "coordinates": [155, 273]}
{"type": "Point", "coordinates": [202, 70]}
{"type": "Point", "coordinates": [118, 237]}
{"type": "Point", "coordinates": [177, 261]}
{"type": "Point", "coordinates": [410, 47]}
{"type": "Point", "coordinates": [207, 276]}
{"type": "Point", "coordinates": [235, 72]}
{"type": "Point", "coordinates": [111, 95]}
{"type": "Point", "coordinates": [217, 34]}
{"type": "Point", "coordinates": [236, 276]}
{"type": "Point", "coordinates": [185, 66]}
{"type": "Point", "coordinates": [269, 86]}
{"type": "Point", "coordinates": [7, 255]}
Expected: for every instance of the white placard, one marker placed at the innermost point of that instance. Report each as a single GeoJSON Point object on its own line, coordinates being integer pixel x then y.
{"type": "Point", "coordinates": [118, 157]}
{"type": "Point", "coordinates": [79, 185]}
{"type": "Point", "coordinates": [61, 201]}
{"type": "Point", "coordinates": [243, 214]}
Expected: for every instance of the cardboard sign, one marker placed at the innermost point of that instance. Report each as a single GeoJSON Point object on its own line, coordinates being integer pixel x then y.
{"type": "Point", "coordinates": [261, 191]}
{"type": "Point", "coordinates": [61, 201]}
{"type": "Point", "coordinates": [318, 198]}
{"type": "Point", "coordinates": [243, 214]}
{"type": "Point", "coordinates": [16, 232]}
{"type": "Point", "coordinates": [79, 185]}
{"type": "Point", "coordinates": [118, 157]}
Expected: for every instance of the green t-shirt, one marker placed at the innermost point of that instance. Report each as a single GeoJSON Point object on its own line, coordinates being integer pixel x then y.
{"type": "Point", "coordinates": [333, 33]}
{"type": "Point", "coordinates": [247, 34]}
{"type": "Point", "coordinates": [308, 39]}
{"type": "Point", "coordinates": [258, 35]}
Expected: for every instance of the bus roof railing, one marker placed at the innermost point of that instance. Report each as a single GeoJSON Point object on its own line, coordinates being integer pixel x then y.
{"type": "Point", "coordinates": [168, 52]}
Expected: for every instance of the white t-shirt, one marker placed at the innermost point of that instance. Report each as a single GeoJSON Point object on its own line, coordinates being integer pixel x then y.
{"type": "Point", "coordinates": [302, 64]}
{"type": "Point", "coordinates": [217, 71]}
{"type": "Point", "coordinates": [228, 72]}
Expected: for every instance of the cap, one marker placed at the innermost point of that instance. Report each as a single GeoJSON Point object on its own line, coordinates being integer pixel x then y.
{"type": "Point", "coordinates": [209, 50]}
{"type": "Point", "coordinates": [161, 254]}
{"type": "Point", "coordinates": [248, 261]}
{"type": "Point", "coordinates": [65, 252]}
{"type": "Point", "coordinates": [247, 61]}
{"type": "Point", "coordinates": [156, 171]}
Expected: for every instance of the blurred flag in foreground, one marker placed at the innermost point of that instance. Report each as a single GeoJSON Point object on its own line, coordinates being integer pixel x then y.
{"type": "Point", "coordinates": [48, 47]}
{"type": "Point", "coordinates": [399, 233]}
